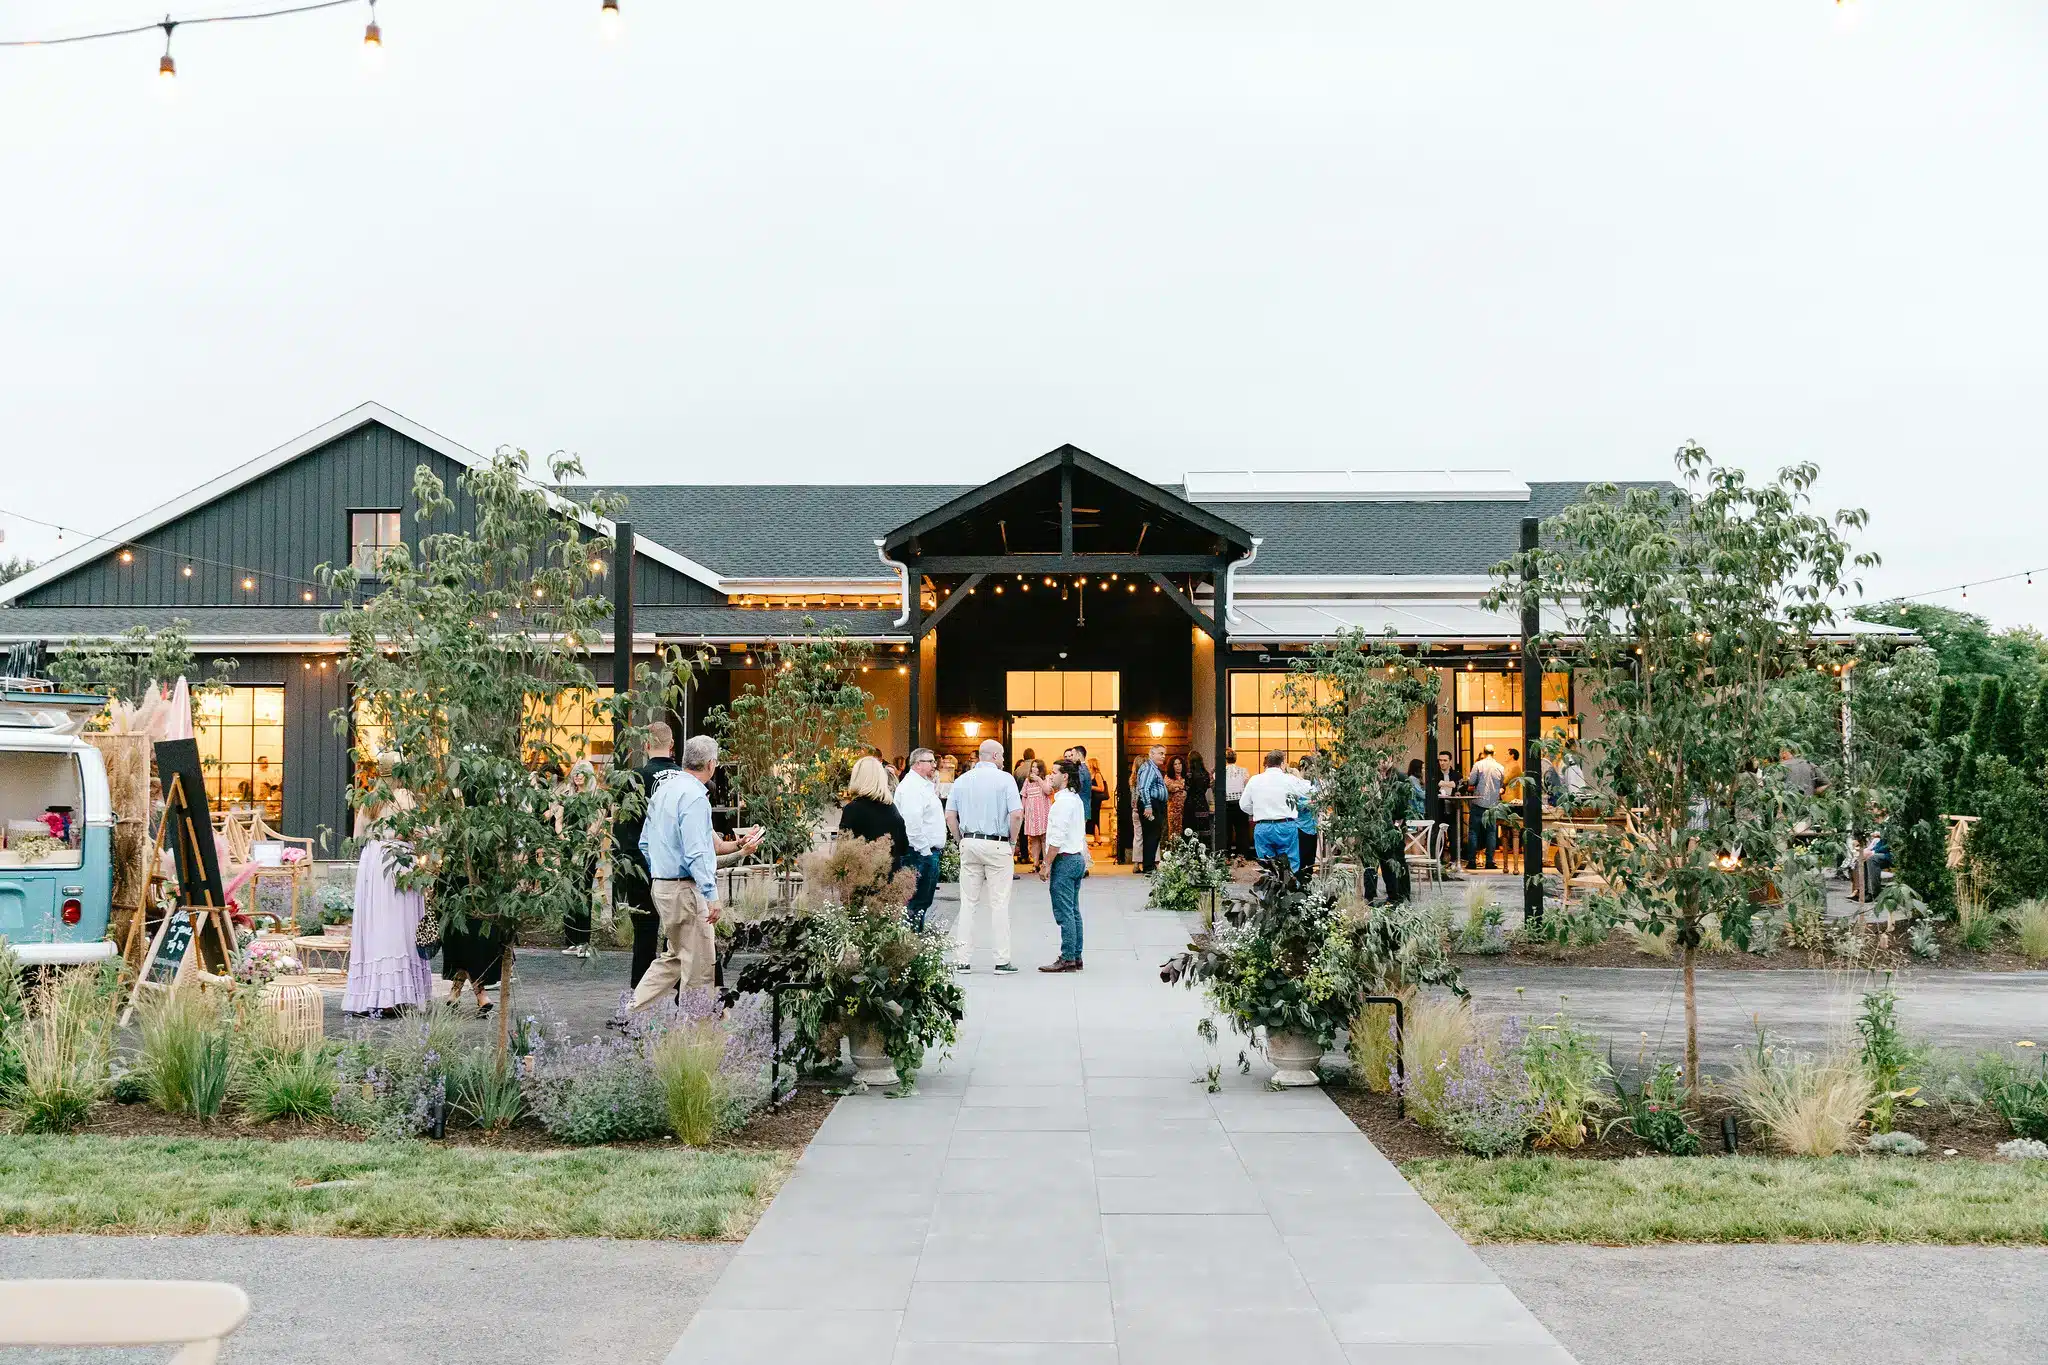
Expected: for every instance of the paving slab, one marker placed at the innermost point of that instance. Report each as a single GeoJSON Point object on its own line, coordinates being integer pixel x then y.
{"type": "Point", "coordinates": [1066, 1189]}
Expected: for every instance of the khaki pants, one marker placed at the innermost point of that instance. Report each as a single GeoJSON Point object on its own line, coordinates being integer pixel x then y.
{"type": "Point", "coordinates": [987, 872]}
{"type": "Point", "coordinates": [689, 958]}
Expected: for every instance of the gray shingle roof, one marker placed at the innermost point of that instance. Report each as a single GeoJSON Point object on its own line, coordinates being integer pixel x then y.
{"type": "Point", "coordinates": [778, 530]}
{"type": "Point", "coordinates": [45, 623]}
{"type": "Point", "coordinates": [826, 530]}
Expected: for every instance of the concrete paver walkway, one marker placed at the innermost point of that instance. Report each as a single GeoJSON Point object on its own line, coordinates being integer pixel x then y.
{"type": "Point", "coordinates": [1061, 1190]}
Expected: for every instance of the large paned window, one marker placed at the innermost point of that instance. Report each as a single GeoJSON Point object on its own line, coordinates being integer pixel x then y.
{"type": "Point", "coordinates": [1064, 691]}
{"type": "Point", "coordinates": [1501, 693]}
{"type": "Point", "coordinates": [574, 724]}
{"type": "Point", "coordinates": [1263, 717]}
{"type": "Point", "coordinates": [370, 533]}
{"type": "Point", "coordinates": [1489, 712]}
{"type": "Point", "coordinates": [241, 746]}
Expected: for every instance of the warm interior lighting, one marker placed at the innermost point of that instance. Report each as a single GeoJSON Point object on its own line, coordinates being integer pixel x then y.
{"type": "Point", "coordinates": [971, 728]}
{"type": "Point", "coordinates": [1158, 728]}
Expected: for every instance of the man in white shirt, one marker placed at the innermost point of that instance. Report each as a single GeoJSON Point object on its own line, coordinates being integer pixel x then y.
{"type": "Point", "coordinates": [1066, 863]}
{"type": "Point", "coordinates": [924, 820]}
{"type": "Point", "coordinates": [1488, 779]}
{"type": "Point", "coordinates": [1234, 777]}
{"type": "Point", "coordinates": [1269, 803]}
{"type": "Point", "coordinates": [984, 812]}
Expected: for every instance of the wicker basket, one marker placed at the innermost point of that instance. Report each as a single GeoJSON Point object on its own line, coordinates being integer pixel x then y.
{"type": "Point", "coordinates": [295, 1009]}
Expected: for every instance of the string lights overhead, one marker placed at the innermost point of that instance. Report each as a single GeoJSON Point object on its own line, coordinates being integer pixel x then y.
{"type": "Point", "coordinates": [167, 66]}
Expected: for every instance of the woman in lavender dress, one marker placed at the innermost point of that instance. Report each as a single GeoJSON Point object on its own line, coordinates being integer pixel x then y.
{"type": "Point", "coordinates": [385, 971]}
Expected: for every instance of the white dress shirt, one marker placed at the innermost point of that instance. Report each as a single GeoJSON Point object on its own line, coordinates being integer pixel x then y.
{"type": "Point", "coordinates": [1272, 794]}
{"type": "Point", "coordinates": [1233, 782]}
{"type": "Point", "coordinates": [1066, 824]}
{"type": "Point", "coordinates": [924, 815]}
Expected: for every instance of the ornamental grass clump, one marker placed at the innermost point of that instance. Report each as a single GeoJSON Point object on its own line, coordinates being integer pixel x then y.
{"type": "Point", "coordinates": [2030, 928]}
{"type": "Point", "coordinates": [65, 1048]}
{"type": "Point", "coordinates": [187, 1056]}
{"type": "Point", "coordinates": [483, 1090]}
{"type": "Point", "coordinates": [296, 1083]}
{"type": "Point", "coordinates": [2019, 1096]}
{"type": "Point", "coordinates": [1437, 1027]}
{"type": "Point", "coordinates": [1807, 1104]}
{"type": "Point", "coordinates": [686, 1062]}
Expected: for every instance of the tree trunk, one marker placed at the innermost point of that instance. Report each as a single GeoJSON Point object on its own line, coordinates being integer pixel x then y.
{"type": "Point", "coordinates": [505, 1003]}
{"type": "Point", "coordinates": [1692, 1031]}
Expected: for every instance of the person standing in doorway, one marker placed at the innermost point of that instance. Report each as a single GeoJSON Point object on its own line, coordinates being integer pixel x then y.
{"type": "Point", "coordinates": [682, 852]}
{"type": "Point", "coordinates": [984, 813]}
{"type": "Point", "coordinates": [1487, 780]}
{"type": "Point", "coordinates": [1270, 800]}
{"type": "Point", "coordinates": [1037, 799]}
{"type": "Point", "coordinates": [632, 886]}
{"type": "Point", "coordinates": [924, 820]}
{"type": "Point", "coordinates": [1240, 831]}
{"type": "Point", "coordinates": [1074, 764]}
{"type": "Point", "coordinates": [1098, 791]}
{"type": "Point", "coordinates": [1148, 798]}
{"type": "Point", "coordinates": [1066, 863]}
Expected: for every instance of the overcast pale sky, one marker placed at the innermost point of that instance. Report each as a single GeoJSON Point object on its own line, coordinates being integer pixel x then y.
{"type": "Point", "coordinates": [841, 240]}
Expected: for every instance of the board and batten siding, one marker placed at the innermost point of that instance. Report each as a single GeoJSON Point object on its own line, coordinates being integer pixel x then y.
{"type": "Point", "coordinates": [278, 528]}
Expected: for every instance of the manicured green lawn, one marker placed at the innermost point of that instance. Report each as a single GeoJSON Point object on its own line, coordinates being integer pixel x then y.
{"type": "Point", "coordinates": [405, 1189]}
{"type": "Point", "coordinates": [1738, 1199]}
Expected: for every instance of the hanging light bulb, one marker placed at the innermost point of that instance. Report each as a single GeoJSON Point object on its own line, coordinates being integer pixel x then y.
{"type": "Point", "coordinates": [1966, 594]}
{"type": "Point", "coordinates": [373, 37]}
{"type": "Point", "coordinates": [165, 67]}
{"type": "Point", "coordinates": [608, 18]}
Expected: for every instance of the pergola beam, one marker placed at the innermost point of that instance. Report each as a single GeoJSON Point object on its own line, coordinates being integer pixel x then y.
{"type": "Point", "coordinates": [1180, 599]}
{"type": "Point", "coordinates": [940, 612]}
{"type": "Point", "coordinates": [1050, 562]}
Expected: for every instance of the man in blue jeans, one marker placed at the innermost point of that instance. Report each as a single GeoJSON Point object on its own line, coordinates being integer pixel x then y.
{"type": "Point", "coordinates": [924, 821]}
{"type": "Point", "coordinates": [1066, 863]}
{"type": "Point", "coordinates": [1271, 800]}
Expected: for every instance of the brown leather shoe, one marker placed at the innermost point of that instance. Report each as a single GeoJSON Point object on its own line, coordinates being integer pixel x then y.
{"type": "Point", "coordinates": [1061, 966]}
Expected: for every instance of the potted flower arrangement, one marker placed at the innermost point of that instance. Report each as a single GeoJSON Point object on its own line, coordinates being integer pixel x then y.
{"type": "Point", "coordinates": [862, 972]}
{"type": "Point", "coordinates": [337, 909]}
{"type": "Point", "coordinates": [1191, 877]}
{"type": "Point", "coordinates": [1296, 961]}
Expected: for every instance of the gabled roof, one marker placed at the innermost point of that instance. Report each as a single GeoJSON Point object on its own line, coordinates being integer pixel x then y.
{"type": "Point", "coordinates": [99, 546]}
{"type": "Point", "coordinates": [1144, 493]}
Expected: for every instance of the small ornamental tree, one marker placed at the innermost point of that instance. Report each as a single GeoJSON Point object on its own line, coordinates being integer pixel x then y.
{"type": "Point", "coordinates": [1357, 695]}
{"type": "Point", "coordinates": [789, 741]}
{"type": "Point", "coordinates": [1919, 841]}
{"type": "Point", "coordinates": [460, 659]}
{"type": "Point", "coordinates": [1685, 608]}
{"type": "Point", "coordinates": [2009, 727]}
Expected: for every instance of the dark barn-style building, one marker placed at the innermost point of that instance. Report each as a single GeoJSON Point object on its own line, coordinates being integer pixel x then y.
{"type": "Point", "coordinates": [1066, 601]}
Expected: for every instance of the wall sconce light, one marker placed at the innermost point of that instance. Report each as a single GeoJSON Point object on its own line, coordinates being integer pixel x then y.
{"type": "Point", "coordinates": [1158, 728]}
{"type": "Point", "coordinates": [971, 727]}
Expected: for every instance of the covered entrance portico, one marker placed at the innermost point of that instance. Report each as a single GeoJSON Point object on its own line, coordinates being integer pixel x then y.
{"type": "Point", "coordinates": [1068, 565]}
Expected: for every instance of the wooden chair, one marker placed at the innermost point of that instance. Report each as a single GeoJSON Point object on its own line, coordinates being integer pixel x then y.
{"type": "Point", "coordinates": [194, 1314]}
{"type": "Point", "coordinates": [241, 831]}
{"type": "Point", "coordinates": [1422, 850]}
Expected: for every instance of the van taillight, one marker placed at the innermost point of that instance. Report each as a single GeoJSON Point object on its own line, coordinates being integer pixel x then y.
{"type": "Point", "coordinates": [74, 911]}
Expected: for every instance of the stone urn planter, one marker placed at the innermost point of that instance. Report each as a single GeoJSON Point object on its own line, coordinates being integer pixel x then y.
{"type": "Point", "coordinates": [871, 1064]}
{"type": "Point", "coordinates": [1294, 1057]}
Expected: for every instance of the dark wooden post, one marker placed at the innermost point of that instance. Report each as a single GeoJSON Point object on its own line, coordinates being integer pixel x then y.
{"type": "Point", "coordinates": [622, 633]}
{"type": "Point", "coordinates": [1532, 730]}
{"type": "Point", "coordinates": [915, 578]}
{"type": "Point", "coordinates": [1219, 803]}
{"type": "Point", "coordinates": [1432, 798]}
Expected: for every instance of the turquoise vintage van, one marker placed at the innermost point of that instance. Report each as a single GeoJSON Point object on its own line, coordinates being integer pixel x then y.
{"type": "Point", "coordinates": [56, 884]}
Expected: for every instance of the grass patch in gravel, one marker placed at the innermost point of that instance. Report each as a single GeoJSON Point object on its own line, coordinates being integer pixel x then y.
{"type": "Point", "coordinates": [379, 1189]}
{"type": "Point", "coordinates": [1738, 1199]}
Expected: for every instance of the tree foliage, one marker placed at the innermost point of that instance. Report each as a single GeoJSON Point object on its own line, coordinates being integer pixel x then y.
{"type": "Point", "coordinates": [125, 667]}
{"type": "Point", "coordinates": [1688, 606]}
{"type": "Point", "coordinates": [460, 659]}
{"type": "Point", "coordinates": [789, 740]}
{"type": "Point", "coordinates": [1964, 642]}
{"type": "Point", "coordinates": [1357, 695]}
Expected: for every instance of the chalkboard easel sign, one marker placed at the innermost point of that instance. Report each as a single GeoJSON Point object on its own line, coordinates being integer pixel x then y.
{"type": "Point", "coordinates": [181, 938]}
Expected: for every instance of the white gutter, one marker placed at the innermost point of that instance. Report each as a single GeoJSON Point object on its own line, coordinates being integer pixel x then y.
{"type": "Point", "coordinates": [902, 579]}
{"type": "Point", "coordinates": [1230, 577]}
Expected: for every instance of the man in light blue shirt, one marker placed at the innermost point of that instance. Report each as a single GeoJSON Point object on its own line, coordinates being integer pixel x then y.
{"type": "Point", "coordinates": [682, 862]}
{"type": "Point", "coordinates": [1149, 796]}
{"type": "Point", "coordinates": [984, 812]}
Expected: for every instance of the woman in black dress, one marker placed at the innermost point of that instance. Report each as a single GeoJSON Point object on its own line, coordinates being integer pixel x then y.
{"type": "Point", "coordinates": [1200, 784]}
{"type": "Point", "coordinates": [870, 813]}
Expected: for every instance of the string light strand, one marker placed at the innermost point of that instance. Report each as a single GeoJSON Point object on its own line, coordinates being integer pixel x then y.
{"type": "Point", "coordinates": [1964, 588]}
{"type": "Point", "coordinates": [167, 23]}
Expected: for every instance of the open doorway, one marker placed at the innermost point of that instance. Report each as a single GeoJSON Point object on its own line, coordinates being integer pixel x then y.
{"type": "Point", "coordinates": [1049, 736]}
